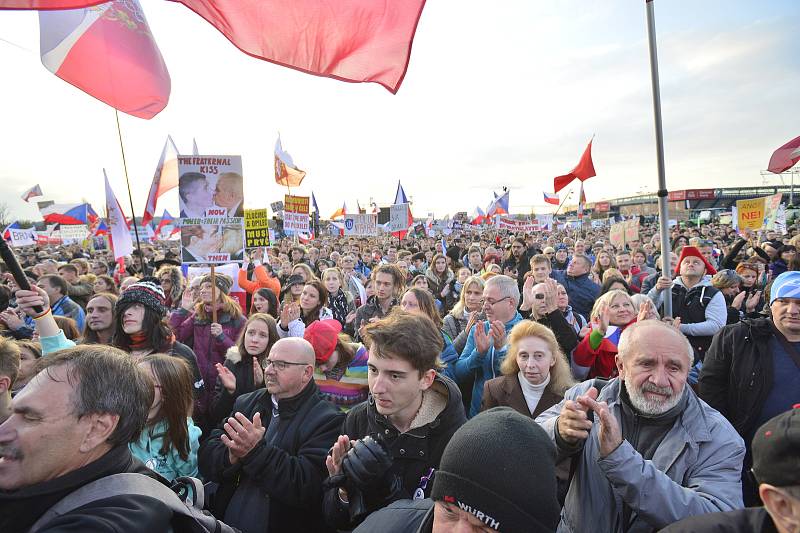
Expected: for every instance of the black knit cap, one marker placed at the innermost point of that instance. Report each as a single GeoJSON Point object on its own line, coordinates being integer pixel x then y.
{"type": "Point", "coordinates": [147, 292]}
{"type": "Point", "coordinates": [776, 450]}
{"type": "Point", "coordinates": [500, 467]}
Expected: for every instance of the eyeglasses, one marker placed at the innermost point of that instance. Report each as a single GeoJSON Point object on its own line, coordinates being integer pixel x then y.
{"type": "Point", "coordinates": [280, 366]}
{"type": "Point", "coordinates": [491, 303]}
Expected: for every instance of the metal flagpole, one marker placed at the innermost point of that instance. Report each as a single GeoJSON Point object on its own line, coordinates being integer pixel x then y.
{"type": "Point", "coordinates": [130, 198]}
{"type": "Point", "coordinates": [663, 211]}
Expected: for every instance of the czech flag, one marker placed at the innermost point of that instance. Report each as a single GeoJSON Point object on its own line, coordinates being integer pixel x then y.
{"type": "Point", "coordinates": [108, 52]}
{"type": "Point", "coordinates": [69, 214]}
{"type": "Point", "coordinates": [478, 217]}
{"type": "Point", "coordinates": [33, 192]}
{"type": "Point", "coordinates": [499, 206]}
{"type": "Point", "coordinates": [167, 220]}
{"type": "Point", "coordinates": [401, 198]}
{"type": "Point", "coordinates": [551, 199]}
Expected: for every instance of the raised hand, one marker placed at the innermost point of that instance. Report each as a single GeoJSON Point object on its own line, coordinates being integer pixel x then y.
{"type": "Point", "coordinates": [738, 300]}
{"type": "Point", "coordinates": [242, 435]}
{"type": "Point", "coordinates": [482, 339]}
{"type": "Point", "coordinates": [601, 321]}
{"type": "Point", "coordinates": [226, 377]}
{"type": "Point", "coordinates": [752, 301]}
{"type": "Point", "coordinates": [336, 456]}
{"type": "Point", "coordinates": [258, 373]}
{"type": "Point", "coordinates": [497, 331]}
{"type": "Point", "coordinates": [609, 435]}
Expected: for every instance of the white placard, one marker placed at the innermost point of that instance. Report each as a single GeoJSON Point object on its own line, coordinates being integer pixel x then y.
{"type": "Point", "coordinates": [366, 224]}
{"type": "Point", "coordinates": [398, 217]}
{"type": "Point", "coordinates": [295, 222]}
{"type": "Point", "coordinates": [22, 237]}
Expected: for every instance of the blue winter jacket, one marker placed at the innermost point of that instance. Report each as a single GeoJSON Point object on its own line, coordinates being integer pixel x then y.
{"type": "Point", "coordinates": [148, 450]}
{"type": "Point", "coordinates": [582, 291]}
{"type": "Point", "coordinates": [483, 365]}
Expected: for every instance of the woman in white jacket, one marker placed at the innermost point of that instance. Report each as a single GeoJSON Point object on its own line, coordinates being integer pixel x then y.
{"type": "Point", "coordinates": [311, 307]}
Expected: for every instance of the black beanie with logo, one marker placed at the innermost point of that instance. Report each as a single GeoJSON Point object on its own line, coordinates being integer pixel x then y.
{"type": "Point", "coordinates": [500, 467]}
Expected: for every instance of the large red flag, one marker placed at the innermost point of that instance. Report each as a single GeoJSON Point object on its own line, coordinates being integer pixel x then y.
{"type": "Point", "coordinates": [350, 40]}
{"type": "Point", "coordinates": [583, 171]}
{"type": "Point", "coordinates": [785, 157]}
{"type": "Point", "coordinates": [108, 52]}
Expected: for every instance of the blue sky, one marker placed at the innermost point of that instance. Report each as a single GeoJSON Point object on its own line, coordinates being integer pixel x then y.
{"type": "Point", "coordinates": [501, 93]}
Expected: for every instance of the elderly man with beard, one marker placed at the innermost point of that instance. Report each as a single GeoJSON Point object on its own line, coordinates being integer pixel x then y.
{"type": "Point", "coordinates": [646, 450]}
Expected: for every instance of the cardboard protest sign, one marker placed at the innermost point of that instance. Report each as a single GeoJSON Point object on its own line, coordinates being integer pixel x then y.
{"type": "Point", "coordinates": [364, 224]}
{"type": "Point", "coordinates": [631, 230]}
{"type": "Point", "coordinates": [398, 217]}
{"type": "Point", "coordinates": [256, 228]}
{"type": "Point", "coordinates": [515, 225]}
{"type": "Point", "coordinates": [211, 186]}
{"type": "Point", "coordinates": [212, 240]}
{"type": "Point", "coordinates": [750, 214]}
{"type": "Point", "coordinates": [295, 214]}
{"type": "Point", "coordinates": [617, 235]}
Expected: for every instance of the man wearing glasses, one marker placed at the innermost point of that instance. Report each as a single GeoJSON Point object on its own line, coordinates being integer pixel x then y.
{"type": "Point", "coordinates": [274, 437]}
{"type": "Point", "coordinates": [486, 344]}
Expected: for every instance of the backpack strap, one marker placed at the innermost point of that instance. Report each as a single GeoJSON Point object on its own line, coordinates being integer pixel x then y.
{"type": "Point", "coordinates": [118, 485]}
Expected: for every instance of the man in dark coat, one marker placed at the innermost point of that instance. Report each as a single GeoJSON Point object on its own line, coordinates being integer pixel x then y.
{"type": "Point", "coordinates": [268, 457]}
{"type": "Point", "coordinates": [581, 289]}
{"type": "Point", "coordinates": [70, 426]}
{"type": "Point", "coordinates": [412, 410]}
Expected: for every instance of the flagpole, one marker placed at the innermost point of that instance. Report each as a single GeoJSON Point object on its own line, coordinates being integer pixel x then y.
{"type": "Point", "coordinates": [562, 203]}
{"type": "Point", "coordinates": [663, 210]}
{"type": "Point", "coordinates": [130, 198]}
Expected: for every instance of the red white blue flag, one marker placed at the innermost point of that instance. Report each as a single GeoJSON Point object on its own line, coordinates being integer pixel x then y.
{"type": "Point", "coordinates": [108, 52]}
{"type": "Point", "coordinates": [551, 198]}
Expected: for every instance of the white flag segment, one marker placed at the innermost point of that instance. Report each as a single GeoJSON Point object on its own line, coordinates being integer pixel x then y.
{"type": "Point", "coordinates": [164, 179]}
{"type": "Point", "coordinates": [121, 242]}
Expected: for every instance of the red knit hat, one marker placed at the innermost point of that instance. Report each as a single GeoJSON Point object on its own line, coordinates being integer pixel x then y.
{"type": "Point", "coordinates": [691, 251]}
{"type": "Point", "coordinates": [323, 334]}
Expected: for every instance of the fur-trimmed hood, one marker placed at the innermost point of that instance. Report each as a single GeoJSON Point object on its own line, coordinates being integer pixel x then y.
{"type": "Point", "coordinates": [233, 355]}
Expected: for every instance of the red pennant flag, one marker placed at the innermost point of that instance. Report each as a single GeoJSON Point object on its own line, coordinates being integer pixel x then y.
{"type": "Point", "coordinates": [583, 171]}
{"type": "Point", "coordinates": [350, 40]}
{"type": "Point", "coordinates": [785, 157]}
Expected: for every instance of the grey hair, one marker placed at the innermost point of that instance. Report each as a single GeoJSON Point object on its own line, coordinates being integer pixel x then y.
{"type": "Point", "coordinates": [506, 285]}
{"type": "Point", "coordinates": [625, 341]}
{"type": "Point", "coordinates": [105, 380]}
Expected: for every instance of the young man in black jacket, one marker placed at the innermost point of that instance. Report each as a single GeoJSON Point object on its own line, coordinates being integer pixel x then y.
{"type": "Point", "coordinates": [70, 426]}
{"type": "Point", "coordinates": [268, 457]}
{"type": "Point", "coordinates": [392, 443]}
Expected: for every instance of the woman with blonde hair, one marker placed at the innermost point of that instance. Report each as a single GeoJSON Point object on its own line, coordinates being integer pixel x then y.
{"type": "Point", "coordinates": [595, 355]}
{"type": "Point", "coordinates": [535, 372]}
{"type": "Point", "coordinates": [465, 313]}
{"type": "Point", "coordinates": [304, 271]}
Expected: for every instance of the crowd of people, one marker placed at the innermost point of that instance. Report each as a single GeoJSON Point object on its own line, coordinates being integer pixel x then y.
{"type": "Point", "coordinates": [483, 381]}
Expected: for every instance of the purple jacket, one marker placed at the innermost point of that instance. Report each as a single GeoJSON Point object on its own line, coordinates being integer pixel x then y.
{"type": "Point", "coordinates": [209, 350]}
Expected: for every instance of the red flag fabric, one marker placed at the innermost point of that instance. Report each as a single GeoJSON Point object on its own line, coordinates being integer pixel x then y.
{"type": "Point", "coordinates": [349, 40]}
{"type": "Point", "coordinates": [164, 179]}
{"type": "Point", "coordinates": [583, 171]}
{"type": "Point", "coordinates": [785, 157]}
{"type": "Point", "coordinates": [48, 4]}
{"type": "Point", "coordinates": [108, 52]}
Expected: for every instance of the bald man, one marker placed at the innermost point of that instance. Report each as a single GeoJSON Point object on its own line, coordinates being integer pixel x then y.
{"type": "Point", "coordinates": [270, 453]}
{"type": "Point", "coordinates": [644, 434]}
{"type": "Point", "coordinates": [229, 193]}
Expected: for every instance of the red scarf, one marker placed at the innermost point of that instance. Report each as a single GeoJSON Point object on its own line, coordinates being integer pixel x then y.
{"type": "Point", "coordinates": [138, 341]}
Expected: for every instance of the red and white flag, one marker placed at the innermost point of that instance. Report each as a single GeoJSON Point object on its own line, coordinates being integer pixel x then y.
{"type": "Point", "coordinates": [583, 171]}
{"type": "Point", "coordinates": [164, 179]}
{"type": "Point", "coordinates": [108, 52]}
{"type": "Point", "coordinates": [33, 192]}
{"type": "Point", "coordinates": [551, 198]}
{"type": "Point", "coordinates": [120, 234]}
{"type": "Point", "coordinates": [286, 172]}
{"type": "Point", "coordinates": [785, 157]}
{"type": "Point", "coordinates": [350, 40]}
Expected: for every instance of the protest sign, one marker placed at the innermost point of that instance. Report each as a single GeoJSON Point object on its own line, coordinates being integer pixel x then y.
{"type": "Point", "coordinates": [23, 237]}
{"type": "Point", "coordinates": [364, 224]}
{"type": "Point", "coordinates": [623, 233]}
{"type": "Point", "coordinates": [295, 214]}
{"type": "Point", "coordinates": [515, 225]}
{"type": "Point", "coordinates": [276, 207]}
{"type": "Point", "coordinates": [398, 217]}
{"type": "Point", "coordinates": [211, 186]}
{"type": "Point", "coordinates": [256, 228]}
{"type": "Point", "coordinates": [750, 214]}
{"type": "Point", "coordinates": [73, 232]}
{"type": "Point", "coordinates": [231, 269]}
{"type": "Point", "coordinates": [772, 205]}
{"type": "Point", "coordinates": [212, 240]}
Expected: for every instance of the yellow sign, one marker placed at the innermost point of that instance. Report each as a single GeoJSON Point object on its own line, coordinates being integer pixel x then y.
{"type": "Point", "coordinates": [256, 228]}
{"type": "Point", "coordinates": [750, 213]}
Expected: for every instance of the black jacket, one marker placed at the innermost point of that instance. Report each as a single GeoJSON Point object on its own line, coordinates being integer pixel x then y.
{"type": "Point", "coordinates": [19, 509]}
{"type": "Point", "coordinates": [402, 516]}
{"type": "Point", "coordinates": [737, 373]}
{"type": "Point", "coordinates": [222, 402]}
{"type": "Point", "coordinates": [414, 452]}
{"type": "Point", "coordinates": [564, 332]}
{"type": "Point", "coordinates": [278, 486]}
